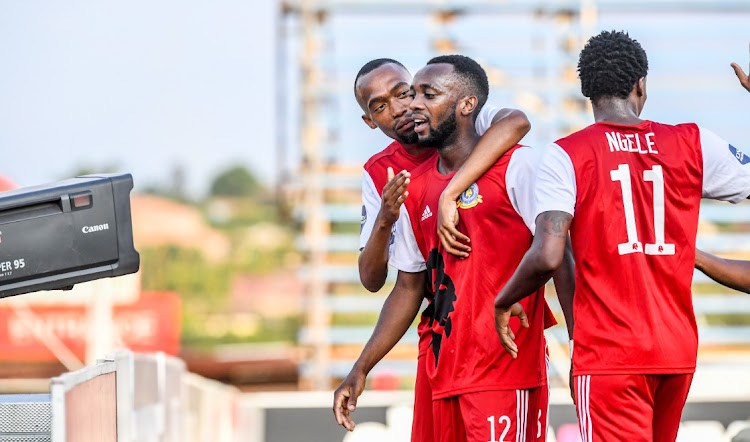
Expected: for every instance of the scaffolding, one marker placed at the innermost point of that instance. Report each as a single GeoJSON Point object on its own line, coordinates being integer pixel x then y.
{"type": "Point", "coordinates": [529, 50]}
{"type": "Point", "coordinates": [329, 185]}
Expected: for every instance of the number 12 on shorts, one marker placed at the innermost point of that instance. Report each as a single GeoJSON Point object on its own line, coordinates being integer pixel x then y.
{"type": "Point", "coordinates": [502, 420]}
{"type": "Point", "coordinates": [658, 247]}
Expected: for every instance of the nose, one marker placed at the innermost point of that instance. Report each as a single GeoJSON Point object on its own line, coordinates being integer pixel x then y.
{"type": "Point", "coordinates": [399, 109]}
{"type": "Point", "coordinates": [416, 103]}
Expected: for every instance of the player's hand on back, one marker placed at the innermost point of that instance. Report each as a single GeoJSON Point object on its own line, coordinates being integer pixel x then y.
{"type": "Point", "coordinates": [502, 325]}
{"type": "Point", "coordinates": [447, 220]}
{"type": "Point", "coordinates": [394, 195]}
{"type": "Point", "coordinates": [742, 76]}
{"type": "Point", "coordinates": [345, 398]}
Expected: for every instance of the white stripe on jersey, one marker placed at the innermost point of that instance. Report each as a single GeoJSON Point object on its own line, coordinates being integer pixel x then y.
{"type": "Point", "coordinates": [579, 406]}
{"type": "Point", "coordinates": [522, 412]}
{"type": "Point", "coordinates": [526, 419]}
{"type": "Point", "coordinates": [590, 433]}
{"type": "Point", "coordinates": [584, 416]}
{"type": "Point", "coordinates": [518, 415]}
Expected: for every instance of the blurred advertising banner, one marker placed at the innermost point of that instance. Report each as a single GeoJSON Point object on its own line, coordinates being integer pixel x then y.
{"type": "Point", "coordinates": [149, 324]}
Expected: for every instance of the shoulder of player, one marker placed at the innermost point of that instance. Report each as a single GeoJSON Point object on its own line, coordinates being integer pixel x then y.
{"type": "Point", "coordinates": [684, 128]}
{"type": "Point", "coordinates": [524, 153]}
{"type": "Point", "coordinates": [580, 136]}
{"type": "Point", "coordinates": [655, 125]}
{"type": "Point", "coordinates": [381, 158]}
{"type": "Point", "coordinates": [518, 154]}
{"type": "Point", "coordinates": [689, 133]}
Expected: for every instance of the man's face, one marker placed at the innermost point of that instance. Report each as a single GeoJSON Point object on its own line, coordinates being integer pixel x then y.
{"type": "Point", "coordinates": [384, 96]}
{"type": "Point", "coordinates": [434, 104]}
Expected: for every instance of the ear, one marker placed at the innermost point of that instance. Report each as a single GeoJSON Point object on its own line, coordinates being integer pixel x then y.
{"type": "Point", "coordinates": [369, 122]}
{"type": "Point", "coordinates": [640, 87]}
{"type": "Point", "coordinates": [467, 105]}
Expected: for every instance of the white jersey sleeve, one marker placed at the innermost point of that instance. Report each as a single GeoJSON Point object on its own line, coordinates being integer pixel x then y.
{"type": "Point", "coordinates": [406, 255]}
{"type": "Point", "coordinates": [370, 206]}
{"type": "Point", "coordinates": [555, 182]}
{"type": "Point", "coordinates": [484, 118]}
{"type": "Point", "coordinates": [519, 183]}
{"type": "Point", "coordinates": [726, 169]}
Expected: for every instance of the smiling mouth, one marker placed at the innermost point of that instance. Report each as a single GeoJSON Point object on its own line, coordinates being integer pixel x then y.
{"type": "Point", "coordinates": [420, 124]}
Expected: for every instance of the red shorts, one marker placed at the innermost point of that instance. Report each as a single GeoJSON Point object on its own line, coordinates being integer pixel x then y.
{"type": "Point", "coordinates": [630, 408]}
{"type": "Point", "coordinates": [498, 416]}
{"type": "Point", "coordinates": [421, 427]}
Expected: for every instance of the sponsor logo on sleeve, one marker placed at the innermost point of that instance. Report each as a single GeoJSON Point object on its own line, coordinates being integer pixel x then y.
{"type": "Point", "coordinates": [741, 157]}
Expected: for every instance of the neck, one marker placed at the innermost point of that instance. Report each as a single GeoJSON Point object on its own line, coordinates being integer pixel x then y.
{"type": "Point", "coordinates": [616, 110]}
{"type": "Point", "coordinates": [454, 152]}
{"type": "Point", "coordinates": [415, 149]}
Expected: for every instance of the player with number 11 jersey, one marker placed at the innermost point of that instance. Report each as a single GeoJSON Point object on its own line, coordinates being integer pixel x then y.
{"type": "Point", "coordinates": [638, 262]}
{"type": "Point", "coordinates": [629, 192]}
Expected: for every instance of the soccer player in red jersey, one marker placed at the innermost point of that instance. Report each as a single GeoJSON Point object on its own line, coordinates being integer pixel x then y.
{"type": "Point", "coordinates": [628, 190]}
{"type": "Point", "coordinates": [479, 393]}
{"type": "Point", "coordinates": [382, 90]}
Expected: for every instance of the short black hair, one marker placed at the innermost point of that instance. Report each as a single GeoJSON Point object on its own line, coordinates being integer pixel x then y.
{"type": "Point", "coordinates": [610, 65]}
{"type": "Point", "coordinates": [371, 66]}
{"type": "Point", "coordinates": [472, 76]}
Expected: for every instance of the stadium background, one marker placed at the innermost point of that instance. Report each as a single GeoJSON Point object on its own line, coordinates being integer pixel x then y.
{"type": "Point", "coordinates": [253, 281]}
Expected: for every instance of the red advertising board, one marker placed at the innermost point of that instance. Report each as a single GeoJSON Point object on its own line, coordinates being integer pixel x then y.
{"type": "Point", "coordinates": [148, 325]}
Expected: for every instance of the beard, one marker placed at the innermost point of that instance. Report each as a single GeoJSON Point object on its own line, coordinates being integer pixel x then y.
{"type": "Point", "coordinates": [409, 137]}
{"type": "Point", "coordinates": [442, 132]}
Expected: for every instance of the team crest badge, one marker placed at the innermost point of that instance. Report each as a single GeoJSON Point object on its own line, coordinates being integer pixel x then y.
{"type": "Point", "coordinates": [470, 197]}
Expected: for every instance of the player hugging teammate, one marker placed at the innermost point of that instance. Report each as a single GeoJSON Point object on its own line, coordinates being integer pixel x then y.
{"type": "Point", "coordinates": [624, 192]}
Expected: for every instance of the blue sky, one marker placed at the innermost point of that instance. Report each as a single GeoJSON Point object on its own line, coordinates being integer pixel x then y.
{"type": "Point", "coordinates": [149, 86]}
{"type": "Point", "coordinates": [141, 85]}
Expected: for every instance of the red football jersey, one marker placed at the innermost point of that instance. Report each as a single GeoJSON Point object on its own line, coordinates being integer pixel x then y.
{"type": "Point", "coordinates": [375, 179]}
{"type": "Point", "coordinates": [464, 353]}
{"type": "Point", "coordinates": [398, 158]}
{"type": "Point", "coordinates": [637, 198]}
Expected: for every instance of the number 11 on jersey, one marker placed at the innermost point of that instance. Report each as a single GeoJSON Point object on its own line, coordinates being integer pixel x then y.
{"type": "Point", "coordinates": [658, 247]}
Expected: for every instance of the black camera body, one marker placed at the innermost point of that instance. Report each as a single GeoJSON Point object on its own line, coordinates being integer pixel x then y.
{"type": "Point", "coordinates": [67, 232]}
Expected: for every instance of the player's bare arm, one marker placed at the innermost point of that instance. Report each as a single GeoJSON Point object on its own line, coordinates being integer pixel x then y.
{"type": "Point", "coordinates": [742, 76]}
{"type": "Point", "coordinates": [373, 261]}
{"type": "Point", "coordinates": [564, 279]}
{"type": "Point", "coordinates": [729, 272]}
{"type": "Point", "coordinates": [509, 126]}
{"type": "Point", "coordinates": [538, 264]}
{"type": "Point", "coordinates": [397, 314]}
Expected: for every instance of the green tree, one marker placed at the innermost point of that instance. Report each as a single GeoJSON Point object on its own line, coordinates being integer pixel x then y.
{"type": "Point", "coordinates": [236, 181]}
